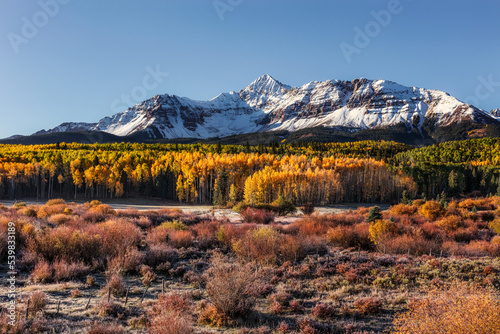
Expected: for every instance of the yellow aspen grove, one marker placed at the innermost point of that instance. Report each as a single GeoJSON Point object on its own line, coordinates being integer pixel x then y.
{"type": "Point", "coordinates": [318, 174]}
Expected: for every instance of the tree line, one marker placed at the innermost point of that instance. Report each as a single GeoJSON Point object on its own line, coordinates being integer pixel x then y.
{"type": "Point", "coordinates": [201, 173]}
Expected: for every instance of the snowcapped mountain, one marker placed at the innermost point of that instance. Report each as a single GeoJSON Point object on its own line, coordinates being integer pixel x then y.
{"type": "Point", "coordinates": [68, 127]}
{"type": "Point", "coordinates": [495, 112]}
{"type": "Point", "coordinates": [267, 105]}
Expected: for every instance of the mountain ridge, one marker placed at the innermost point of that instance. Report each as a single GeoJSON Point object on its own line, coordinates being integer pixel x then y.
{"type": "Point", "coordinates": [269, 105]}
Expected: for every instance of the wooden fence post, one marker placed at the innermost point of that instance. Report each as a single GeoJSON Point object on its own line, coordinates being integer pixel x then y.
{"type": "Point", "coordinates": [126, 295]}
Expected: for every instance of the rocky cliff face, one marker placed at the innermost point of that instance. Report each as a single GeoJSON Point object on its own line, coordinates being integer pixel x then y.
{"type": "Point", "coordinates": [267, 104]}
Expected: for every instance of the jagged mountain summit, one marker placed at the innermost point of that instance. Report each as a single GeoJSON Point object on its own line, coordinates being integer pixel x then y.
{"type": "Point", "coordinates": [495, 112]}
{"type": "Point", "coordinates": [268, 105]}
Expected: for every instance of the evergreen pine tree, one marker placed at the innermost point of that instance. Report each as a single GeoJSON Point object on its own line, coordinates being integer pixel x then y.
{"type": "Point", "coordinates": [374, 214]}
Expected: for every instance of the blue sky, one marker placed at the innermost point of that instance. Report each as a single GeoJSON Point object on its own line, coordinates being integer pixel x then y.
{"type": "Point", "coordinates": [86, 56]}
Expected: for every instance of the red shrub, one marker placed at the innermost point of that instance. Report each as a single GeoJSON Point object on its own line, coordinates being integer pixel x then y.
{"type": "Point", "coordinates": [93, 217]}
{"type": "Point", "coordinates": [368, 305]}
{"type": "Point", "coordinates": [66, 244]}
{"type": "Point", "coordinates": [257, 216]}
{"type": "Point", "coordinates": [171, 314]}
{"type": "Point", "coordinates": [116, 235]}
{"type": "Point", "coordinates": [129, 262]}
{"type": "Point", "coordinates": [465, 234]}
{"type": "Point", "coordinates": [205, 233]}
{"type": "Point", "coordinates": [261, 245]}
{"type": "Point", "coordinates": [116, 285]}
{"type": "Point", "coordinates": [43, 272]}
{"type": "Point", "coordinates": [295, 306]}
{"type": "Point", "coordinates": [431, 232]}
{"type": "Point", "coordinates": [309, 227]}
{"type": "Point", "coordinates": [229, 233]}
{"type": "Point", "coordinates": [349, 218]}
{"type": "Point", "coordinates": [157, 236]}
{"type": "Point", "coordinates": [38, 301]}
{"type": "Point", "coordinates": [170, 214]}
{"type": "Point", "coordinates": [403, 244]}
{"type": "Point", "coordinates": [143, 222]}
{"type": "Point", "coordinates": [277, 308]}
{"type": "Point", "coordinates": [109, 308]}
{"type": "Point", "coordinates": [482, 248]}
{"type": "Point", "coordinates": [292, 248]}
{"type": "Point", "coordinates": [179, 239]}
{"type": "Point", "coordinates": [68, 271]}
{"type": "Point", "coordinates": [323, 311]}
{"type": "Point", "coordinates": [160, 253]}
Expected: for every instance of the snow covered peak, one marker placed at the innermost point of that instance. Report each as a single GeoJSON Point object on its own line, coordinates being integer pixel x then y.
{"type": "Point", "coordinates": [267, 104]}
{"type": "Point", "coordinates": [266, 84]}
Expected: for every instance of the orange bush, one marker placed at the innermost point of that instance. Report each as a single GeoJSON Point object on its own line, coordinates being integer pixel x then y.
{"type": "Point", "coordinates": [211, 316]}
{"type": "Point", "coordinates": [479, 204]}
{"type": "Point", "coordinates": [450, 223]}
{"type": "Point", "coordinates": [418, 202]}
{"type": "Point", "coordinates": [312, 228]}
{"type": "Point", "coordinates": [48, 210]}
{"type": "Point", "coordinates": [432, 210]}
{"type": "Point", "coordinates": [102, 208]}
{"type": "Point", "coordinates": [350, 236]}
{"type": "Point", "coordinates": [495, 226]}
{"type": "Point", "coordinates": [403, 209]}
{"type": "Point", "coordinates": [459, 309]}
{"type": "Point", "coordinates": [380, 229]}
{"type": "Point", "coordinates": [261, 245]}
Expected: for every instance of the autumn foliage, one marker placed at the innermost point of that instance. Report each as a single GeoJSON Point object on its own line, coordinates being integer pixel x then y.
{"type": "Point", "coordinates": [200, 173]}
{"type": "Point", "coordinates": [458, 309]}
